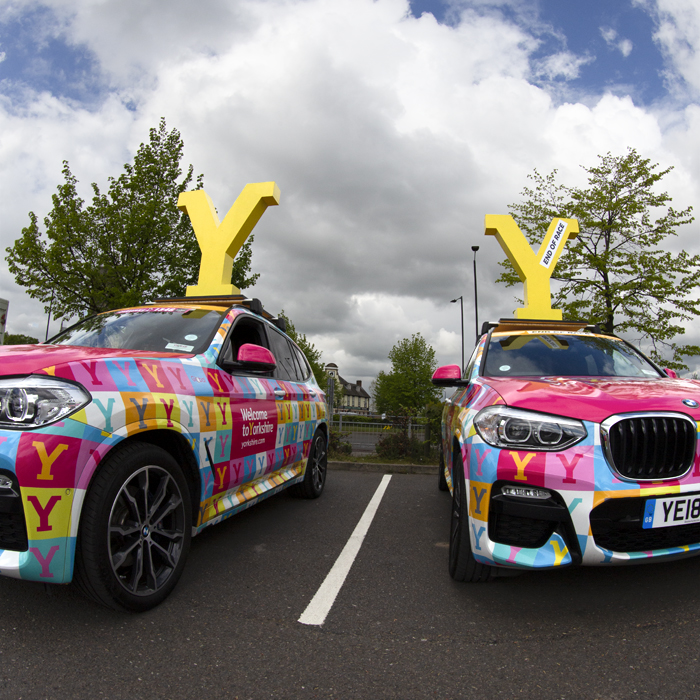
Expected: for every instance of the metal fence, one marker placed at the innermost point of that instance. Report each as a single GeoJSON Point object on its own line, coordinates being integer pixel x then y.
{"type": "Point", "coordinates": [364, 436]}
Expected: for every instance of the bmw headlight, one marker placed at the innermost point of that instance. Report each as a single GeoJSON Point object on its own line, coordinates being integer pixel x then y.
{"type": "Point", "coordinates": [30, 402]}
{"type": "Point", "coordinates": [502, 426]}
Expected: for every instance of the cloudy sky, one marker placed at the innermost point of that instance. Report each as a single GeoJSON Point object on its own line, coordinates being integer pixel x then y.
{"type": "Point", "coordinates": [391, 127]}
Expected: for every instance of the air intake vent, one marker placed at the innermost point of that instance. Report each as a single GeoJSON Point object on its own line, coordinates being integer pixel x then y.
{"type": "Point", "coordinates": [649, 446]}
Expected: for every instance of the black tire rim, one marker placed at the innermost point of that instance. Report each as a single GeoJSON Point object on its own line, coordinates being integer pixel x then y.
{"type": "Point", "coordinates": [146, 531]}
{"type": "Point", "coordinates": [318, 463]}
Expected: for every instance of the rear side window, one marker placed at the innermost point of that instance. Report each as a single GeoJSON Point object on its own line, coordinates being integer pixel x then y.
{"type": "Point", "coordinates": [302, 363]}
{"type": "Point", "coordinates": [284, 355]}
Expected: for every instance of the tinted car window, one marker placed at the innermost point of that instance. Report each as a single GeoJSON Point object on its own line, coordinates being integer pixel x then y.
{"type": "Point", "coordinates": [157, 329]}
{"type": "Point", "coordinates": [245, 330]}
{"type": "Point", "coordinates": [470, 365]}
{"type": "Point", "coordinates": [282, 350]}
{"type": "Point", "coordinates": [537, 355]}
{"type": "Point", "coordinates": [302, 363]}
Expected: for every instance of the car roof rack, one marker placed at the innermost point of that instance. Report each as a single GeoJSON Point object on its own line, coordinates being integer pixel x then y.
{"type": "Point", "coordinates": [253, 305]}
{"type": "Point", "coordinates": [506, 325]}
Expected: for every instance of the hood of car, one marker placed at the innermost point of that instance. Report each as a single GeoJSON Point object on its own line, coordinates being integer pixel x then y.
{"type": "Point", "coordinates": [597, 398]}
{"type": "Point", "coordinates": [27, 359]}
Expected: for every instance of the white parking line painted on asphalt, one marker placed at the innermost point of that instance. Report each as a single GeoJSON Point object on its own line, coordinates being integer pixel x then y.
{"type": "Point", "coordinates": [322, 602]}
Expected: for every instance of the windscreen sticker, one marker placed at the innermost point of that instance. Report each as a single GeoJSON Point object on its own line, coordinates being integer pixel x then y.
{"type": "Point", "coordinates": [178, 346]}
{"type": "Point", "coordinates": [151, 309]}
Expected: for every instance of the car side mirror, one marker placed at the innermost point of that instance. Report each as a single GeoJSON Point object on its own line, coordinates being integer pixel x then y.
{"type": "Point", "coordinates": [448, 375]}
{"type": "Point", "coordinates": [670, 373]}
{"type": "Point", "coordinates": [255, 357]}
{"type": "Point", "coordinates": [251, 358]}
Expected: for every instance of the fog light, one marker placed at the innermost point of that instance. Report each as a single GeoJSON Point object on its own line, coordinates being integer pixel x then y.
{"type": "Point", "coordinates": [525, 492]}
{"type": "Point", "coordinates": [6, 484]}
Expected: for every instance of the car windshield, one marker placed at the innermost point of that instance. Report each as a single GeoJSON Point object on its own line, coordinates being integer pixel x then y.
{"type": "Point", "coordinates": [156, 329]}
{"type": "Point", "coordinates": [562, 355]}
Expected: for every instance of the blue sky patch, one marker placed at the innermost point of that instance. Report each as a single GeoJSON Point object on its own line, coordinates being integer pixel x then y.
{"type": "Point", "coordinates": [611, 44]}
{"type": "Point", "coordinates": [35, 55]}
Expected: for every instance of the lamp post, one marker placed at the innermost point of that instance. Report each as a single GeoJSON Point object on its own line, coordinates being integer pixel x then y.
{"type": "Point", "coordinates": [461, 312]}
{"type": "Point", "coordinates": [476, 298]}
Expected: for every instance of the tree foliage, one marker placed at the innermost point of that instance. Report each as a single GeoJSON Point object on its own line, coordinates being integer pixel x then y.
{"type": "Point", "coordinates": [129, 246]}
{"type": "Point", "coordinates": [19, 339]}
{"type": "Point", "coordinates": [407, 387]}
{"type": "Point", "coordinates": [619, 272]}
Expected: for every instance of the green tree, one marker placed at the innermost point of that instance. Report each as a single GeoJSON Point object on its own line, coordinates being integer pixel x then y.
{"type": "Point", "coordinates": [129, 246]}
{"type": "Point", "coordinates": [619, 271]}
{"type": "Point", "coordinates": [19, 339]}
{"type": "Point", "coordinates": [407, 386]}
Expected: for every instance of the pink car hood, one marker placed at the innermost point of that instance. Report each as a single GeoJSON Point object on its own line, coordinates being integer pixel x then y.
{"type": "Point", "coordinates": [595, 399]}
{"type": "Point", "coordinates": [27, 359]}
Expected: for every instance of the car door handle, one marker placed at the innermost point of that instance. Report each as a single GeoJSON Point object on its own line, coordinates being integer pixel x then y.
{"type": "Point", "coordinates": [279, 393]}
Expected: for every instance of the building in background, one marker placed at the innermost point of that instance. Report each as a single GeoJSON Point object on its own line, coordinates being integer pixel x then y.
{"type": "Point", "coordinates": [355, 398]}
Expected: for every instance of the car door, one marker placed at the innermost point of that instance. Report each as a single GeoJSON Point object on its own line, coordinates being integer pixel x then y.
{"type": "Point", "coordinates": [245, 449]}
{"type": "Point", "coordinates": [291, 399]}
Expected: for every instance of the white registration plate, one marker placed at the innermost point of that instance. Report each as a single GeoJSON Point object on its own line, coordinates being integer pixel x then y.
{"type": "Point", "coordinates": [666, 512]}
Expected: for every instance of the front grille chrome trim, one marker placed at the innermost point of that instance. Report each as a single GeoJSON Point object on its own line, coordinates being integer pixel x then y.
{"type": "Point", "coordinates": [644, 429]}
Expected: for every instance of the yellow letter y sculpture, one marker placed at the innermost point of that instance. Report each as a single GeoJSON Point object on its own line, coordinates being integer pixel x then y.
{"type": "Point", "coordinates": [535, 271]}
{"type": "Point", "coordinates": [220, 241]}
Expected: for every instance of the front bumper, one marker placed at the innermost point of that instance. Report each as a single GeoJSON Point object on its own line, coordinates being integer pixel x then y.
{"type": "Point", "coordinates": [592, 517]}
{"type": "Point", "coordinates": [525, 533]}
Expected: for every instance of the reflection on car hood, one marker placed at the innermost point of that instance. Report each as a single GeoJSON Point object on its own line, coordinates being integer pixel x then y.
{"type": "Point", "coordinates": [594, 399]}
{"type": "Point", "coordinates": [26, 359]}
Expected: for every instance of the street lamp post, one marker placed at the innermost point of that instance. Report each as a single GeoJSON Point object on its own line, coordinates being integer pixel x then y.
{"type": "Point", "coordinates": [476, 301]}
{"type": "Point", "coordinates": [461, 312]}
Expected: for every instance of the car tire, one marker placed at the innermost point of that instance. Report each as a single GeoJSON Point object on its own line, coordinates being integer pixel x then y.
{"type": "Point", "coordinates": [442, 481]}
{"type": "Point", "coordinates": [316, 469]}
{"type": "Point", "coordinates": [135, 529]}
{"type": "Point", "coordinates": [462, 565]}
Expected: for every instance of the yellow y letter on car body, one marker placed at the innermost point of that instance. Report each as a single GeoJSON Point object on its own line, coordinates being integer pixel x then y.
{"type": "Point", "coordinates": [535, 271]}
{"type": "Point", "coordinates": [220, 241]}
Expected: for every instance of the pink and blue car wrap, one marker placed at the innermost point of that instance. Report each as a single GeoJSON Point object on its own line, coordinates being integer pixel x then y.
{"type": "Point", "coordinates": [580, 476]}
{"type": "Point", "coordinates": [245, 437]}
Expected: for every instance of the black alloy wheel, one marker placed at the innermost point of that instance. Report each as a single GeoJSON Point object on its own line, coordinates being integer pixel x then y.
{"type": "Point", "coordinates": [135, 529]}
{"type": "Point", "coordinates": [316, 469]}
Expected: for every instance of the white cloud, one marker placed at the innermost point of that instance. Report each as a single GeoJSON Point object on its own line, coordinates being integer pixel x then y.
{"type": "Point", "coordinates": [624, 46]}
{"type": "Point", "coordinates": [390, 138]}
{"type": "Point", "coordinates": [678, 34]}
{"type": "Point", "coordinates": [564, 65]}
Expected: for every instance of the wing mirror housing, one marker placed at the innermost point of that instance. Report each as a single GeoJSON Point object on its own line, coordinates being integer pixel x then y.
{"type": "Point", "coordinates": [255, 357]}
{"type": "Point", "coordinates": [670, 373]}
{"type": "Point", "coordinates": [448, 375]}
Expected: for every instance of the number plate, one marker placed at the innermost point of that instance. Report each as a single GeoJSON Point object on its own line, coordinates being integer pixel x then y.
{"type": "Point", "coordinates": [666, 512]}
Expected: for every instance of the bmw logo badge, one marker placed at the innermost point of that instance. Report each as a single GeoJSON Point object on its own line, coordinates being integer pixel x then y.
{"type": "Point", "coordinates": [691, 403]}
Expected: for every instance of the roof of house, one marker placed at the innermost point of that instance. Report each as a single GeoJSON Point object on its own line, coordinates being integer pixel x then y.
{"type": "Point", "coordinates": [353, 389]}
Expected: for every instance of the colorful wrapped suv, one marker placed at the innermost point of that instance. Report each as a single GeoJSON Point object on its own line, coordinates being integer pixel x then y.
{"type": "Point", "coordinates": [563, 445]}
{"type": "Point", "coordinates": [133, 430]}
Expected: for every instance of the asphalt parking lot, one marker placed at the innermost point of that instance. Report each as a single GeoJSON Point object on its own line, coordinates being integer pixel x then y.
{"type": "Point", "coordinates": [399, 627]}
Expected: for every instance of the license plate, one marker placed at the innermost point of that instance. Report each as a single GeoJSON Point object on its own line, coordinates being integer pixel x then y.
{"type": "Point", "coordinates": [666, 512]}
